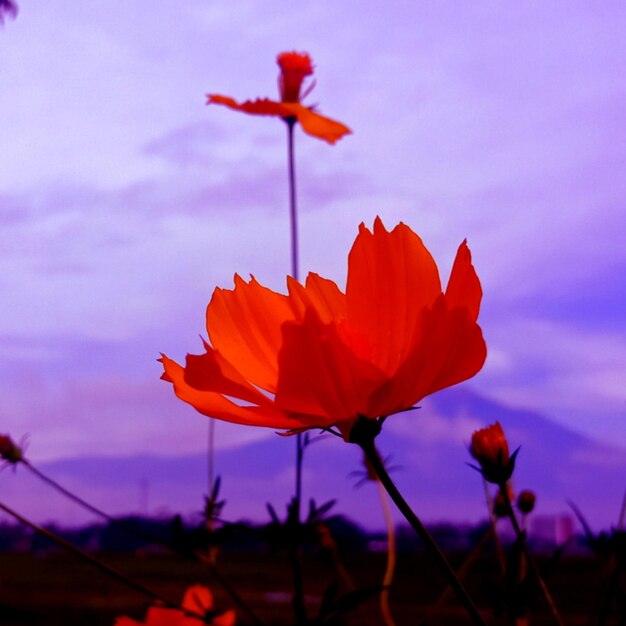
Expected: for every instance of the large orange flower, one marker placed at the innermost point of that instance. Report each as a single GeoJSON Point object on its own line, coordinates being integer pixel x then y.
{"type": "Point", "coordinates": [317, 357]}
{"type": "Point", "coordinates": [198, 600]}
{"type": "Point", "coordinates": [294, 68]}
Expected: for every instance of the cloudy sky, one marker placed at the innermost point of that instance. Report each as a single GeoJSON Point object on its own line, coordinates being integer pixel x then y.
{"type": "Point", "coordinates": [124, 200]}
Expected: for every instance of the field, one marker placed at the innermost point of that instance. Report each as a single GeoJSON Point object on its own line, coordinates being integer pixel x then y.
{"type": "Point", "coordinates": [58, 590]}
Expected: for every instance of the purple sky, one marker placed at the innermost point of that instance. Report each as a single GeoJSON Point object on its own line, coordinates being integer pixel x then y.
{"type": "Point", "coordinates": [124, 200]}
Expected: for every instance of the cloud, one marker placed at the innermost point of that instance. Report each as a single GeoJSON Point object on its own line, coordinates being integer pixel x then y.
{"type": "Point", "coordinates": [575, 375]}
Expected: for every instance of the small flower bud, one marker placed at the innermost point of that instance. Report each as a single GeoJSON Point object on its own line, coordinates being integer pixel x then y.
{"type": "Point", "coordinates": [9, 450]}
{"type": "Point", "coordinates": [294, 68]}
{"type": "Point", "coordinates": [490, 448]}
{"type": "Point", "coordinates": [526, 501]}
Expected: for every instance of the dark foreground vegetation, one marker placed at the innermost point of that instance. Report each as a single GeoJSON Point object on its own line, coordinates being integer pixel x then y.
{"type": "Point", "coordinates": [40, 585]}
{"type": "Point", "coordinates": [57, 590]}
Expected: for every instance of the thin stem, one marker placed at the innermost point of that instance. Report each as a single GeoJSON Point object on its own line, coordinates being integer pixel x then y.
{"type": "Point", "coordinates": [391, 555]}
{"type": "Point", "coordinates": [494, 529]}
{"type": "Point", "coordinates": [521, 536]}
{"type": "Point", "coordinates": [113, 573]}
{"type": "Point", "coordinates": [293, 229]}
{"type": "Point", "coordinates": [299, 609]}
{"type": "Point", "coordinates": [68, 494]}
{"type": "Point", "coordinates": [211, 455]}
{"type": "Point", "coordinates": [156, 540]}
{"type": "Point", "coordinates": [298, 600]}
{"type": "Point", "coordinates": [293, 208]}
{"type": "Point", "coordinates": [466, 565]}
{"type": "Point", "coordinates": [367, 444]}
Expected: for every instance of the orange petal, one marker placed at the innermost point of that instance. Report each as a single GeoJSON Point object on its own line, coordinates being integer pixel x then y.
{"type": "Point", "coordinates": [244, 326]}
{"type": "Point", "coordinates": [127, 621]}
{"type": "Point", "coordinates": [312, 123]}
{"type": "Point", "coordinates": [317, 125]}
{"type": "Point", "coordinates": [215, 405]}
{"type": "Point", "coordinates": [318, 293]}
{"type": "Point", "coordinates": [211, 372]}
{"type": "Point", "coordinates": [391, 278]}
{"type": "Point", "coordinates": [228, 618]}
{"type": "Point", "coordinates": [198, 598]}
{"type": "Point", "coordinates": [464, 290]}
{"type": "Point", "coordinates": [320, 375]}
{"type": "Point", "coordinates": [261, 106]}
{"type": "Point", "coordinates": [450, 350]}
{"type": "Point", "coordinates": [162, 616]}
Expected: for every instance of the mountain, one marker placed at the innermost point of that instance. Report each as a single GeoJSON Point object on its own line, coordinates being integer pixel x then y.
{"type": "Point", "coordinates": [429, 446]}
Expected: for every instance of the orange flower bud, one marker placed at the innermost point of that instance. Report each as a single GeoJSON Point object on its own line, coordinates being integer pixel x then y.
{"type": "Point", "coordinates": [294, 68]}
{"type": "Point", "coordinates": [526, 501]}
{"type": "Point", "coordinates": [9, 450]}
{"type": "Point", "coordinates": [490, 448]}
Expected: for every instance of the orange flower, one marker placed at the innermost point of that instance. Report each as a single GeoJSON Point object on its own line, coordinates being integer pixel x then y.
{"type": "Point", "coordinates": [198, 600]}
{"type": "Point", "coordinates": [490, 448]}
{"type": "Point", "coordinates": [318, 358]}
{"type": "Point", "coordinates": [294, 68]}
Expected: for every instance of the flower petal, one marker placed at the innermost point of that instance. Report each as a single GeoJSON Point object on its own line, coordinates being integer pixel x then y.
{"type": "Point", "coordinates": [391, 278]}
{"type": "Point", "coordinates": [215, 405]}
{"type": "Point", "coordinates": [317, 125]}
{"type": "Point", "coordinates": [320, 375]}
{"type": "Point", "coordinates": [312, 123]}
{"type": "Point", "coordinates": [450, 349]}
{"type": "Point", "coordinates": [318, 293]}
{"type": "Point", "coordinates": [211, 372]}
{"type": "Point", "coordinates": [198, 599]}
{"type": "Point", "coordinates": [464, 288]}
{"type": "Point", "coordinates": [261, 106]}
{"type": "Point", "coordinates": [228, 618]}
{"type": "Point", "coordinates": [244, 326]}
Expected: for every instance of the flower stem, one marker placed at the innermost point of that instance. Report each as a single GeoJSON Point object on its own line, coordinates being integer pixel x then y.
{"type": "Point", "coordinates": [494, 527]}
{"type": "Point", "coordinates": [211, 455]}
{"type": "Point", "coordinates": [293, 207]}
{"type": "Point", "coordinates": [521, 536]}
{"type": "Point", "coordinates": [298, 599]}
{"type": "Point", "coordinates": [367, 444]}
{"type": "Point", "coordinates": [391, 556]}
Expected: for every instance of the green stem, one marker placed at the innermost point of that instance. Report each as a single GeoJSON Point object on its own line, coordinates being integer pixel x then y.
{"type": "Point", "coordinates": [521, 536]}
{"type": "Point", "coordinates": [367, 444]}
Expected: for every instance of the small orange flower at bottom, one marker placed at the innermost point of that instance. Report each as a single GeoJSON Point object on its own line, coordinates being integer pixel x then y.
{"type": "Point", "coordinates": [197, 599]}
{"type": "Point", "coordinates": [319, 358]}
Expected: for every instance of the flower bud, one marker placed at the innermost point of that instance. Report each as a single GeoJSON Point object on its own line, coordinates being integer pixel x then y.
{"type": "Point", "coordinates": [9, 450]}
{"type": "Point", "coordinates": [490, 448]}
{"type": "Point", "coordinates": [526, 501]}
{"type": "Point", "coordinates": [294, 68]}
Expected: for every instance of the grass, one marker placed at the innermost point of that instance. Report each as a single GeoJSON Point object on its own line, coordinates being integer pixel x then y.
{"type": "Point", "coordinates": [56, 589]}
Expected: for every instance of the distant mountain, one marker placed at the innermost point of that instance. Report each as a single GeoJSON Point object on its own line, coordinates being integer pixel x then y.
{"type": "Point", "coordinates": [429, 445]}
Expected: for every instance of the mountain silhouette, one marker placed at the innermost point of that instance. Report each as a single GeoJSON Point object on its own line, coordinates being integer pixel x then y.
{"type": "Point", "coordinates": [426, 449]}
